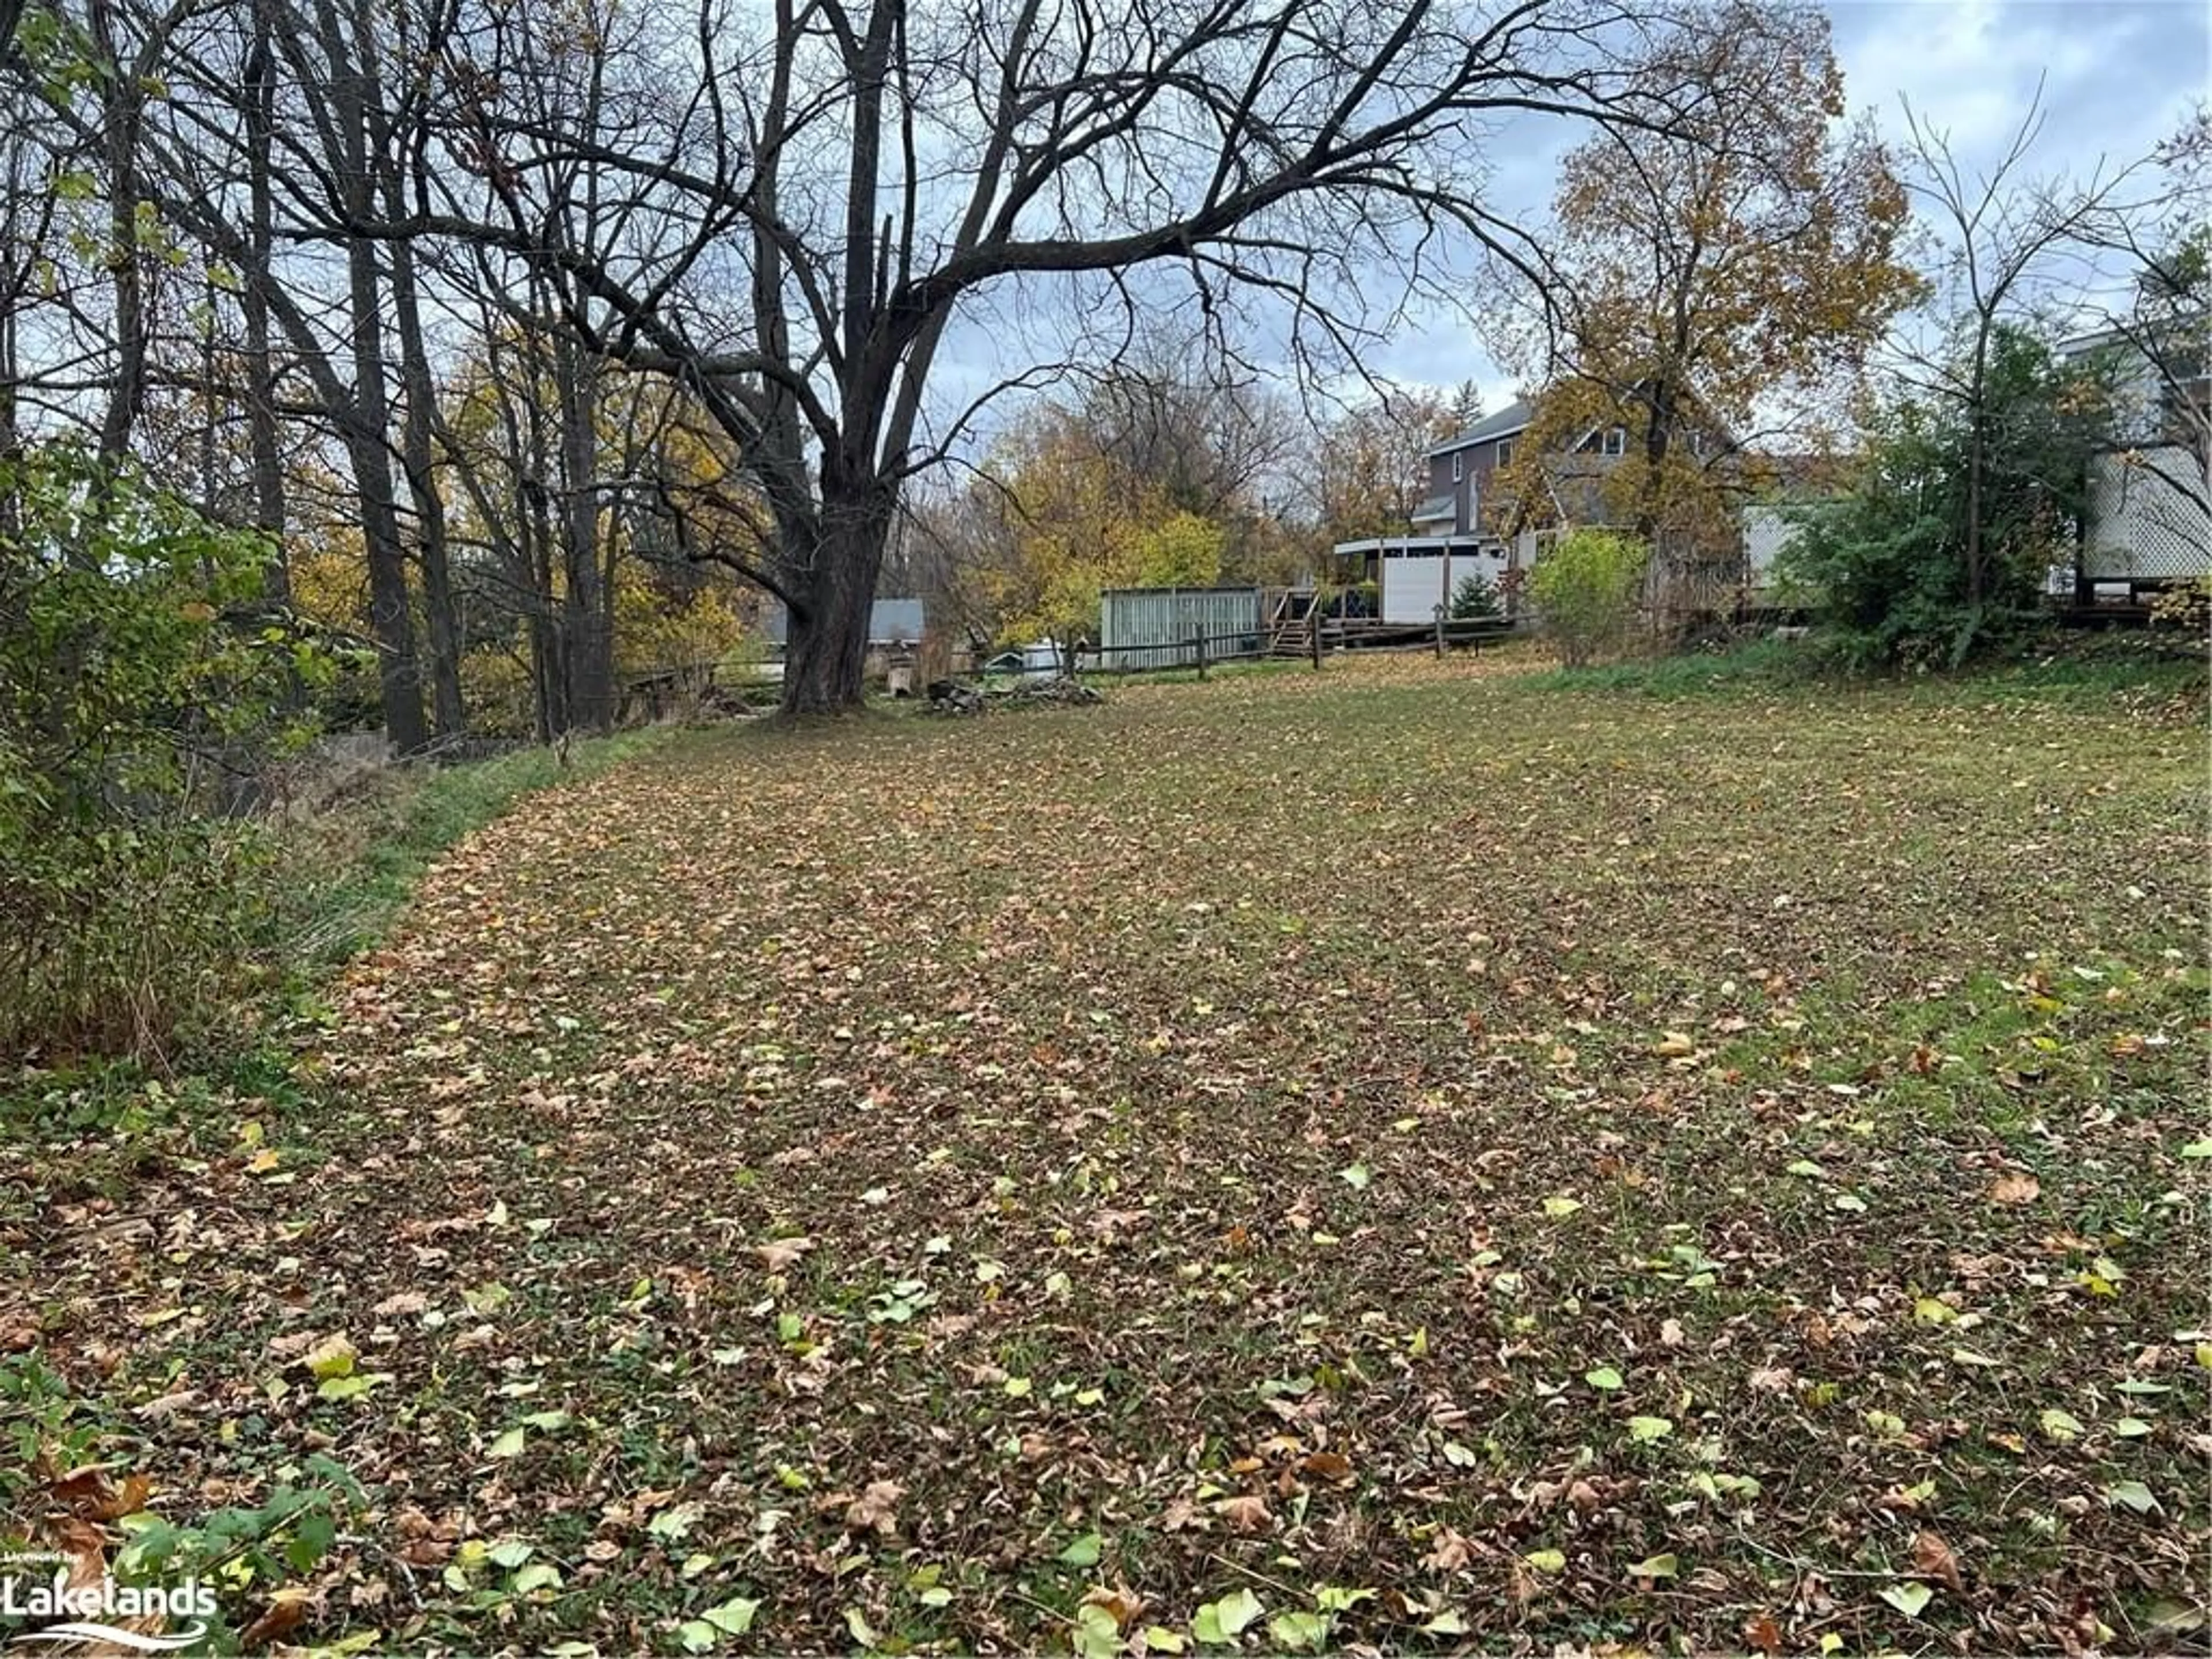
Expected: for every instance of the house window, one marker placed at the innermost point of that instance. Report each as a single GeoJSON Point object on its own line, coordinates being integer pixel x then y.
{"type": "Point", "coordinates": [1459, 465]}
{"type": "Point", "coordinates": [1505, 452]}
{"type": "Point", "coordinates": [1616, 440]}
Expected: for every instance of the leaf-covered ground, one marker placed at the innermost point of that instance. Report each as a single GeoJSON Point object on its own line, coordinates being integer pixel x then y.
{"type": "Point", "coordinates": [1416, 1157]}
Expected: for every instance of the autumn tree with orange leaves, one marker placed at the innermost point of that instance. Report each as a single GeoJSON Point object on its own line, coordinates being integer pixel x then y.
{"type": "Point", "coordinates": [1701, 289]}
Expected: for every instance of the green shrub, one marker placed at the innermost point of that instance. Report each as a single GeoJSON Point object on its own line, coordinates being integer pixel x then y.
{"type": "Point", "coordinates": [140, 682]}
{"type": "Point", "coordinates": [1920, 567]}
{"type": "Point", "coordinates": [1586, 590]}
{"type": "Point", "coordinates": [1475, 599]}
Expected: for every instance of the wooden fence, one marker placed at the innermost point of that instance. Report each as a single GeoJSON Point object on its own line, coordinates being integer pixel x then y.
{"type": "Point", "coordinates": [1200, 650]}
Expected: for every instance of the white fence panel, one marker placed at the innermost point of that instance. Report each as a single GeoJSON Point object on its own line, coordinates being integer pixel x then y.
{"type": "Point", "coordinates": [1152, 627]}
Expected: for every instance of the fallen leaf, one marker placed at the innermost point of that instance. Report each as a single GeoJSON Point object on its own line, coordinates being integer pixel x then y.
{"type": "Point", "coordinates": [782, 1253]}
{"type": "Point", "coordinates": [169, 1404]}
{"type": "Point", "coordinates": [2015, 1186]}
{"type": "Point", "coordinates": [1327, 1465]}
{"type": "Point", "coordinates": [1218, 1623]}
{"type": "Point", "coordinates": [2132, 1495]}
{"type": "Point", "coordinates": [1248, 1513]}
{"type": "Point", "coordinates": [1449, 1553]}
{"type": "Point", "coordinates": [1084, 1552]}
{"type": "Point", "coordinates": [332, 1357]}
{"type": "Point", "coordinates": [1932, 1558]}
{"type": "Point", "coordinates": [1120, 1603]}
{"type": "Point", "coordinates": [876, 1509]}
{"type": "Point", "coordinates": [283, 1617]}
{"type": "Point", "coordinates": [2060, 1424]}
{"type": "Point", "coordinates": [1910, 1599]}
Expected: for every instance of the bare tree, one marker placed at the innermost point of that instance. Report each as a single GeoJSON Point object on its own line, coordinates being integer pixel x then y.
{"type": "Point", "coordinates": [864, 179]}
{"type": "Point", "coordinates": [2012, 249]}
{"type": "Point", "coordinates": [838, 232]}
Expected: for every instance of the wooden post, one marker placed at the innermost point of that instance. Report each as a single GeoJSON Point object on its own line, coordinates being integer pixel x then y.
{"type": "Point", "coordinates": [1313, 630]}
{"type": "Point", "coordinates": [1440, 633]}
{"type": "Point", "coordinates": [1198, 651]}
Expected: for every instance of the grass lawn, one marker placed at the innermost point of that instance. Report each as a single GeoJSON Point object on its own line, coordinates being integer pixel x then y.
{"type": "Point", "coordinates": [1422, 1156]}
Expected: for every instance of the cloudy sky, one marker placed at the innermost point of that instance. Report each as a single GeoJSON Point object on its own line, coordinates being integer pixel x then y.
{"type": "Point", "coordinates": [2116, 75]}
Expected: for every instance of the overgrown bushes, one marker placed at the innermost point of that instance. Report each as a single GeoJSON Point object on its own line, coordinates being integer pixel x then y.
{"type": "Point", "coordinates": [141, 681]}
{"type": "Point", "coordinates": [1959, 510]}
{"type": "Point", "coordinates": [1586, 590]}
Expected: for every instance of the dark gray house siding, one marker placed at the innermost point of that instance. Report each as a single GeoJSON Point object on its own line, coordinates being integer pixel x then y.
{"type": "Point", "coordinates": [1460, 468]}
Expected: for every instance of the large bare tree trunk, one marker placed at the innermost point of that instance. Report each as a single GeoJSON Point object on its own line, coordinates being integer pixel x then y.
{"type": "Point", "coordinates": [368, 416]}
{"type": "Point", "coordinates": [367, 421]}
{"type": "Point", "coordinates": [390, 618]}
{"type": "Point", "coordinates": [827, 646]}
{"type": "Point", "coordinates": [1976, 461]}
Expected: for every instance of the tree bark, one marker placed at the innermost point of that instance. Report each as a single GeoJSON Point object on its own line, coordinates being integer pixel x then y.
{"type": "Point", "coordinates": [827, 646]}
{"type": "Point", "coordinates": [119, 106]}
{"type": "Point", "coordinates": [584, 615]}
{"type": "Point", "coordinates": [368, 417]}
{"type": "Point", "coordinates": [267, 461]}
{"type": "Point", "coordinates": [448, 717]}
{"type": "Point", "coordinates": [1976, 449]}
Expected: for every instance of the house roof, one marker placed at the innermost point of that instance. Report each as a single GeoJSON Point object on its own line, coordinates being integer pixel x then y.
{"type": "Point", "coordinates": [1513, 418]}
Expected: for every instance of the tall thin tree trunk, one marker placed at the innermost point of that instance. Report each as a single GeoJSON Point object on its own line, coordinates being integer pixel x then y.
{"type": "Point", "coordinates": [1977, 454]}
{"type": "Point", "coordinates": [390, 616]}
{"type": "Point", "coordinates": [211, 505]}
{"type": "Point", "coordinates": [120, 102]}
{"type": "Point", "coordinates": [368, 414]}
{"type": "Point", "coordinates": [418, 460]}
{"type": "Point", "coordinates": [549, 657]}
{"type": "Point", "coordinates": [591, 669]}
{"type": "Point", "coordinates": [268, 463]}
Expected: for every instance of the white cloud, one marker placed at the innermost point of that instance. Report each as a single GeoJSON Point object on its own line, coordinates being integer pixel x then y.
{"type": "Point", "coordinates": [2115, 77]}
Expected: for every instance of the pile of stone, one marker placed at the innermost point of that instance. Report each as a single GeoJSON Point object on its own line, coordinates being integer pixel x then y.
{"type": "Point", "coordinates": [1059, 688]}
{"type": "Point", "coordinates": [951, 697]}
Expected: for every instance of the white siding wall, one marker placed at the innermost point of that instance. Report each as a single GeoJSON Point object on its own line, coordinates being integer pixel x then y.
{"type": "Point", "coordinates": [1414, 585]}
